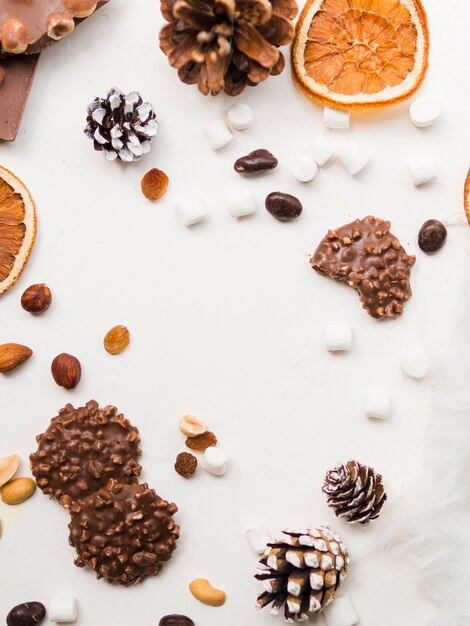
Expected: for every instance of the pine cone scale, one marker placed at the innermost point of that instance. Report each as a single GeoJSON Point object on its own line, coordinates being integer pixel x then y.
{"type": "Point", "coordinates": [252, 43]}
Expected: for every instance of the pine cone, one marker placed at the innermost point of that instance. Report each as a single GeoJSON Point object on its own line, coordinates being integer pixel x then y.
{"type": "Point", "coordinates": [355, 492]}
{"type": "Point", "coordinates": [226, 44]}
{"type": "Point", "coordinates": [303, 572]}
{"type": "Point", "coordinates": [121, 126]}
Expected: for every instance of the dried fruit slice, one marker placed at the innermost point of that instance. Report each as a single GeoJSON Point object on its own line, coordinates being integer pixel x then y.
{"type": "Point", "coordinates": [17, 228]}
{"type": "Point", "coordinates": [466, 196]}
{"type": "Point", "coordinates": [356, 54]}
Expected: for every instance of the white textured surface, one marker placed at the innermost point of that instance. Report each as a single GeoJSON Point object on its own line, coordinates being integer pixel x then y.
{"type": "Point", "coordinates": [226, 317]}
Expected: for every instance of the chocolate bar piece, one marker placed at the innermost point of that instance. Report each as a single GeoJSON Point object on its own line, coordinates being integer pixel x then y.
{"type": "Point", "coordinates": [16, 77]}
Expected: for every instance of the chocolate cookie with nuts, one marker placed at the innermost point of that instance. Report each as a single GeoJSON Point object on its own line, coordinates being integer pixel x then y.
{"type": "Point", "coordinates": [82, 449]}
{"type": "Point", "coordinates": [123, 532]}
{"type": "Point", "coordinates": [366, 256]}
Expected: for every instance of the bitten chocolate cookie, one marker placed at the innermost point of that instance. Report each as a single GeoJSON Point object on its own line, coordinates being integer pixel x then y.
{"type": "Point", "coordinates": [123, 532]}
{"type": "Point", "coordinates": [82, 449]}
{"type": "Point", "coordinates": [369, 258]}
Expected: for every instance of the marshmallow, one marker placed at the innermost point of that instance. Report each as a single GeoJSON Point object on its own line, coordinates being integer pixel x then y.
{"type": "Point", "coordinates": [241, 202]}
{"type": "Point", "coordinates": [304, 168]}
{"type": "Point", "coordinates": [338, 336]}
{"type": "Point", "coordinates": [240, 116]}
{"type": "Point", "coordinates": [353, 159]}
{"type": "Point", "coordinates": [218, 134]}
{"type": "Point", "coordinates": [341, 612]}
{"type": "Point", "coordinates": [378, 403]}
{"type": "Point", "coordinates": [190, 209]}
{"type": "Point", "coordinates": [334, 118]}
{"type": "Point", "coordinates": [425, 111]}
{"type": "Point", "coordinates": [62, 609]}
{"type": "Point", "coordinates": [414, 362]}
{"type": "Point", "coordinates": [215, 461]}
{"type": "Point", "coordinates": [258, 537]}
{"type": "Point", "coordinates": [321, 149]}
{"type": "Point", "coordinates": [423, 169]}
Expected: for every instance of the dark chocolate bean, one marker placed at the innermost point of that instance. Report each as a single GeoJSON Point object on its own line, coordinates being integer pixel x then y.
{"type": "Point", "coordinates": [26, 614]}
{"type": "Point", "coordinates": [176, 620]}
{"type": "Point", "coordinates": [283, 206]}
{"type": "Point", "coordinates": [256, 161]}
{"type": "Point", "coordinates": [432, 236]}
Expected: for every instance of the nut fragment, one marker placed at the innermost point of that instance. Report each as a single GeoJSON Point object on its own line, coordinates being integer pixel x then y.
{"type": "Point", "coordinates": [59, 25]}
{"type": "Point", "coordinates": [66, 370]}
{"type": "Point", "coordinates": [192, 426]}
{"type": "Point", "coordinates": [8, 468]}
{"type": "Point", "coordinates": [14, 36]}
{"type": "Point", "coordinates": [203, 591]}
{"type": "Point", "coordinates": [81, 8]}
{"type": "Point", "coordinates": [18, 490]}
{"type": "Point", "coordinates": [201, 442]}
{"type": "Point", "coordinates": [186, 464]}
{"type": "Point", "coordinates": [12, 355]}
{"type": "Point", "coordinates": [116, 340]}
{"type": "Point", "coordinates": [36, 299]}
{"type": "Point", "coordinates": [154, 184]}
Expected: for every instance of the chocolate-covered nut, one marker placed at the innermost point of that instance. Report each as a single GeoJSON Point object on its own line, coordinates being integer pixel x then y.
{"type": "Point", "coordinates": [257, 161]}
{"type": "Point", "coordinates": [26, 614]}
{"type": "Point", "coordinates": [176, 620]}
{"type": "Point", "coordinates": [432, 236]}
{"type": "Point", "coordinates": [283, 206]}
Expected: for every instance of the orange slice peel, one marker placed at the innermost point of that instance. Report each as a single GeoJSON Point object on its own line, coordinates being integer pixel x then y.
{"type": "Point", "coordinates": [17, 228]}
{"type": "Point", "coordinates": [359, 54]}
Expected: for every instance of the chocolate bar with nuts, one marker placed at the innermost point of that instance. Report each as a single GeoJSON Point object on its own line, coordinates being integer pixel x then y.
{"type": "Point", "coordinates": [366, 256]}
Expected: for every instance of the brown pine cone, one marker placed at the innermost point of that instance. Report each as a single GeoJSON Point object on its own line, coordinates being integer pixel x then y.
{"type": "Point", "coordinates": [226, 44]}
{"type": "Point", "coordinates": [355, 492]}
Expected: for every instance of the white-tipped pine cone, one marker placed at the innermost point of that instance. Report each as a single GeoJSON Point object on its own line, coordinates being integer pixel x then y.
{"type": "Point", "coordinates": [355, 492]}
{"type": "Point", "coordinates": [302, 572]}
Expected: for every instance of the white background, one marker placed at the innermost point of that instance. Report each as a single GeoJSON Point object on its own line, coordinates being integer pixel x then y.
{"type": "Point", "coordinates": [226, 318]}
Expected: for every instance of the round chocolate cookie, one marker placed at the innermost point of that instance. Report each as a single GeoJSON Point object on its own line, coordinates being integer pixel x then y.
{"type": "Point", "coordinates": [82, 449]}
{"type": "Point", "coordinates": [123, 532]}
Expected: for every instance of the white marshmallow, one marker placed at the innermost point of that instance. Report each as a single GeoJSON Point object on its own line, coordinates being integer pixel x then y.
{"type": "Point", "coordinates": [240, 116]}
{"type": "Point", "coordinates": [304, 168]}
{"type": "Point", "coordinates": [423, 169]}
{"type": "Point", "coordinates": [63, 609]}
{"type": "Point", "coordinates": [334, 118]}
{"type": "Point", "coordinates": [241, 202]}
{"type": "Point", "coordinates": [378, 403]}
{"type": "Point", "coordinates": [190, 209]}
{"type": "Point", "coordinates": [218, 134]}
{"type": "Point", "coordinates": [415, 362]}
{"type": "Point", "coordinates": [425, 111]}
{"type": "Point", "coordinates": [338, 336]}
{"type": "Point", "coordinates": [215, 461]}
{"type": "Point", "coordinates": [353, 159]}
{"type": "Point", "coordinates": [321, 149]}
{"type": "Point", "coordinates": [258, 537]}
{"type": "Point", "coordinates": [341, 612]}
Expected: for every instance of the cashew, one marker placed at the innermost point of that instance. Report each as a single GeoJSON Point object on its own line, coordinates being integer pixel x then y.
{"type": "Point", "coordinates": [8, 467]}
{"type": "Point", "coordinates": [18, 490]}
{"type": "Point", "coordinates": [203, 591]}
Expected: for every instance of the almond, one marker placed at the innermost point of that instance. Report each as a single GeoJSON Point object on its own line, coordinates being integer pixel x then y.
{"type": "Point", "coordinates": [8, 467]}
{"type": "Point", "coordinates": [12, 355]}
{"type": "Point", "coordinates": [18, 490]}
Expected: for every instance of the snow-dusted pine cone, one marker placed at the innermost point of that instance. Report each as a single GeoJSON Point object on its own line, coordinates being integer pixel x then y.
{"type": "Point", "coordinates": [355, 492]}
{"type": "Point", "coordinates": [122, 126]}
{"type": "Point", "coordinates": [302, 572]}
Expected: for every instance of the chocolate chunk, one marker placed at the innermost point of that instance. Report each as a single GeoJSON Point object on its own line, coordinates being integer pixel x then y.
{"type": "Point", "coordinates": [369, 258]}
{"type": "Point", "coordinates": [82, 449]}
{"type": "Point", "coordinates": [255, 162]}
{"type": "Point", "coordinates": [283, 206]}
{"type": "Point", "coordinates": [123, 532]}
{"type": "Point", "coordinates": [176, 620]}
{"type": "Point", "coordinates": [432, 236]}
{"type": "Point", "coordinates": [26, 614]}
{"type": "Point", "coordinates": [18, 73]}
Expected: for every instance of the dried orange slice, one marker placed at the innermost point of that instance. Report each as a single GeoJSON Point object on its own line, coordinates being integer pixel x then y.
{"type": "Point", "coordinates": [466, 196]}
{"type": "Point", "coordinates": [357, 54]}
{"type": "Point", "coordinates": [17, 228]}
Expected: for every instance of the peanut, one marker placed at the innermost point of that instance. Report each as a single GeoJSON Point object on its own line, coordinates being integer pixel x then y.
{"type": "Point", "coordinates": [8, 467]}
{"type": "Point", "coordinates": [192, 426]}
{"type": "Point", "coordinates": [203, 591]}
{"type": "Point", "coordinates": [18, 490]}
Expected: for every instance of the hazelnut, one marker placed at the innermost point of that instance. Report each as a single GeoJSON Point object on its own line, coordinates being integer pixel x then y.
{"type": "Point", "coordinates": [36, 299]}
{"type": "Point", "coordinates": [66, 370]}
